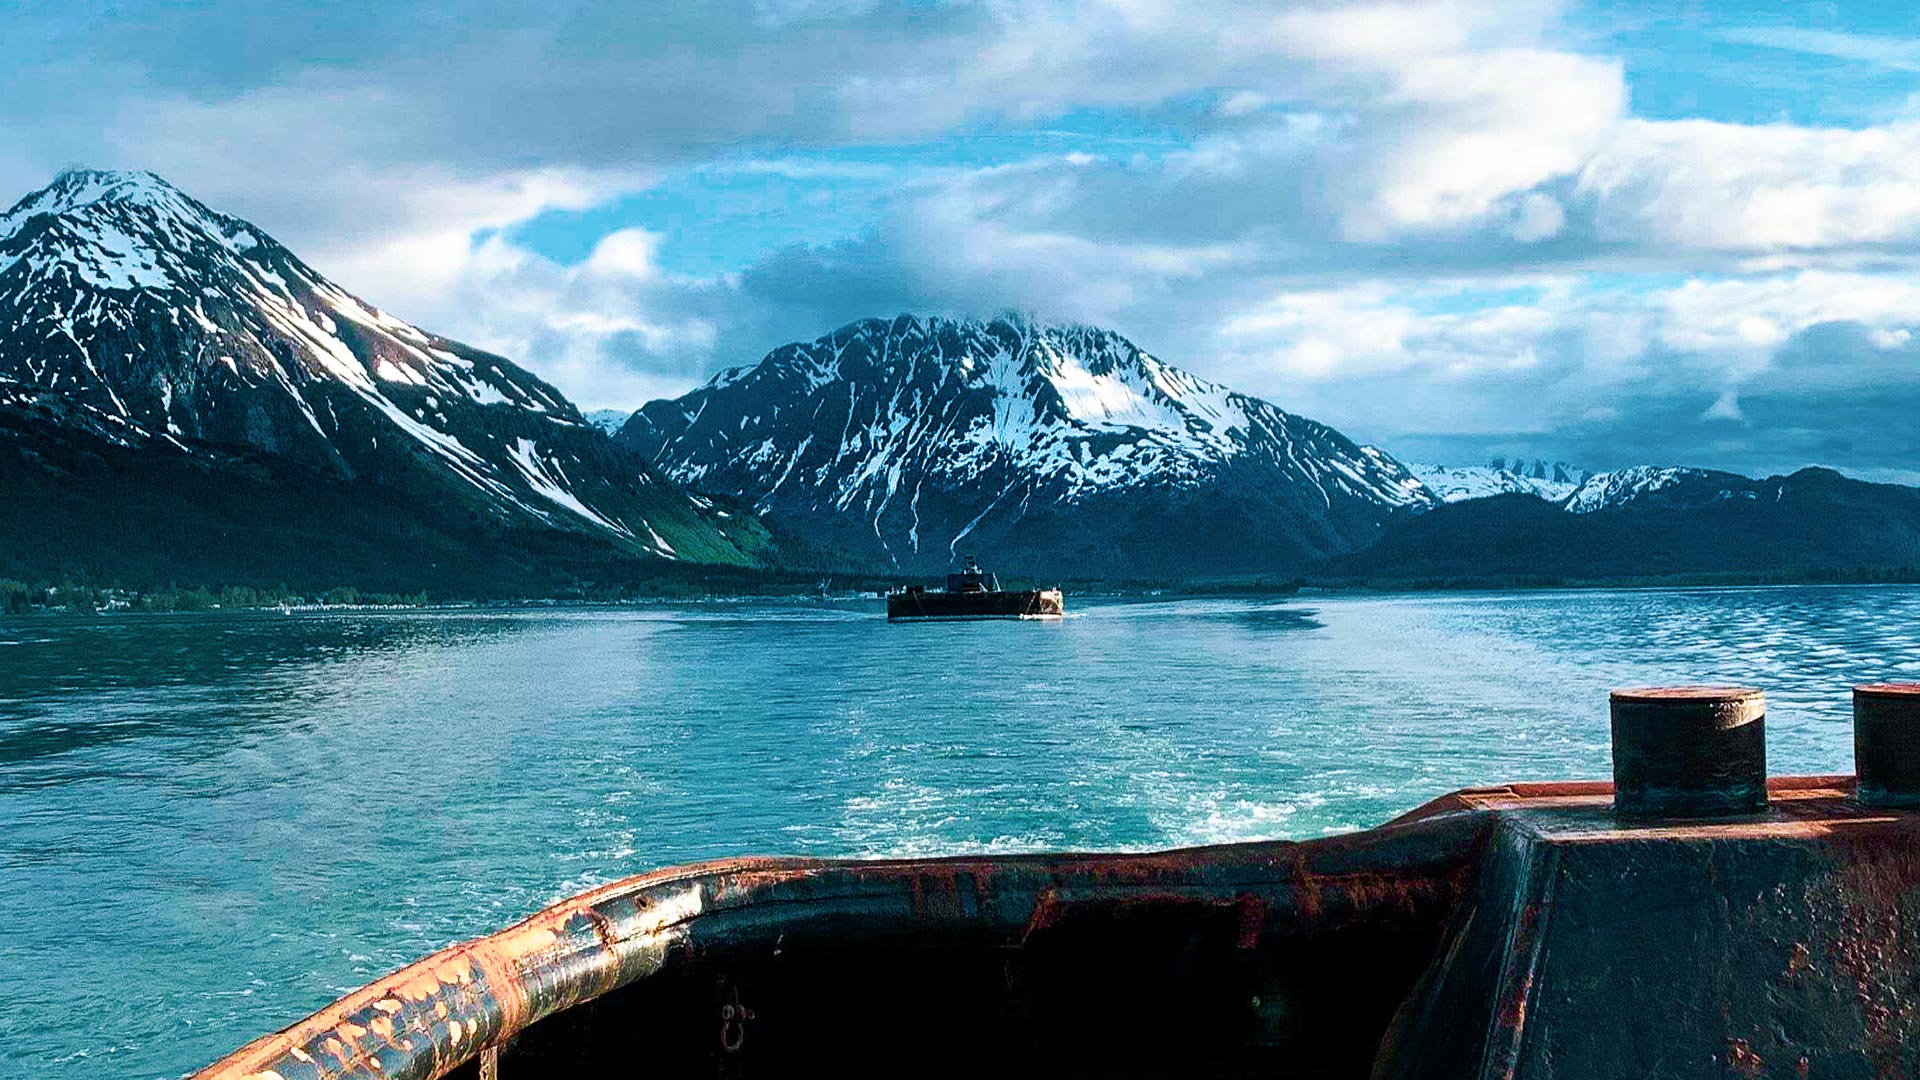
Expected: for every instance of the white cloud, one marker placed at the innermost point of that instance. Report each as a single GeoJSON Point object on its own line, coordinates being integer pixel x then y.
{"type": "Point", "coordinates": [1243, 103]}
{"type": "Point", "coordinates": [1755, 188]}
{"type": "Point", "coordinates": [1537, 217]}
{"type": "Point", "coordinates": [1745, 319]}
{"type": "Point", "coordinates": [1564, 351]}
{"type": "Point", "coordinates": [1326, 334]}
{"type": "Point", "coordinates": [613, 330]}
{"type": "Point", "coordinates": [1458, 134]}
{"type": "Point", "coordinates": [1900, 54]}
{"type": "Point", "coordinates": [626, 253]}
{"type": "Point", "coordinates": [1332, 206]}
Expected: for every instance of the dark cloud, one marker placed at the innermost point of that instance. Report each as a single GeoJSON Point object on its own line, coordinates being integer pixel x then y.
{"type": "Point", "coordinates": [1835, 398]}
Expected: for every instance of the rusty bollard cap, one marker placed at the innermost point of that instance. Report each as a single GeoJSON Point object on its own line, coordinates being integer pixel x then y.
{"type": "Point", "coordinates": [1886, 743]}
{"type": "Point", "coordinates": [1900, 690]}
{"type": "Point", "coordinates": [1688, 696]}
{"type": "Point", "coordinates": [1689, 751]}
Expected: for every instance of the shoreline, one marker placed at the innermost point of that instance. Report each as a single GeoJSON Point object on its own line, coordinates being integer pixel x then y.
{"type": "Point", "coordinates": [1106, 592]}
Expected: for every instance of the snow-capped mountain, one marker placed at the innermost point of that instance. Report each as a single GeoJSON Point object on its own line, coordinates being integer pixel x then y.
{"type": "Point", "coordinates": [1649, 524]}
{"type": "Point", "coordinates": [1550, 480]}
{"type": "Point", "coordinates": [135, 313]}
{"type": "Point", "coordinates": [1580, 492]}
{"type": "Point", "coordinates": [1660, 486]}
{"type": "Point", "coordinates": [1044, 449]}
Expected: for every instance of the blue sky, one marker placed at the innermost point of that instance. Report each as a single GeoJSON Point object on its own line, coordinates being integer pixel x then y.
{"type": "Point", "coordinates": [1609, 233]}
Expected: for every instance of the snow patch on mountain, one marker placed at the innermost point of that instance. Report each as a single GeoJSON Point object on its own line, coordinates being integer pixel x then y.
{"type": "Point", "coordinates": [85, 252]}
{"type": "Point", "coordinates": [1071, 405]}
{"type": "Point", "coordinates": [1604, 491]}
{"type": "Point", "coordinates": [608, 420]}
{"type": "Point", "coordinates": [1617, 488]}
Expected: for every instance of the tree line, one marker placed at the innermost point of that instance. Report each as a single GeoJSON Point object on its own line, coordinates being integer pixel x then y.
{"type": "Point", "coordinates": [20, 597]}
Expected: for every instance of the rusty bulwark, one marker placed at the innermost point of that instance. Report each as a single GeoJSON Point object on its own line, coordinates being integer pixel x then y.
{"type": "Point", "coordinates": [439, 1012]}
{"type": "Point", "coordinates": [437, 1015]}
{"type": "Point", "coordinates": [1519, 931]}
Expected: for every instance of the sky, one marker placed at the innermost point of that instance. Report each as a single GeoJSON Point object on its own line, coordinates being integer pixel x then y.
{"type": "Point", "coordinates": [1606, 233]}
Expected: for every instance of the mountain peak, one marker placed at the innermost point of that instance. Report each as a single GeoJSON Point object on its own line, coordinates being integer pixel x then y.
{"type": "Point", "coordinates": [109, 182]}
{"type": "Point", "coordinates": [1039, 445]}
{"type": "Point", "coordinates": [132, 312]}
{"type": "Point", "coordinates": [120, 230]}
{"type": "Point", "coordinates": [1093, 371]}
{"type": "Point", "coordinates": [1606, 490]}
{"type": "Point", "coordinates": [77, 189]}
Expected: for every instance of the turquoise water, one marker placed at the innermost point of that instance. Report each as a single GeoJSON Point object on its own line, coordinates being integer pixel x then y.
{"type": "Point", "coordinates": [212, 824]}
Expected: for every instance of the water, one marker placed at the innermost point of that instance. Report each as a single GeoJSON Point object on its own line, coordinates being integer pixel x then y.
{"type": "Point", "coordinates": [212, 824]}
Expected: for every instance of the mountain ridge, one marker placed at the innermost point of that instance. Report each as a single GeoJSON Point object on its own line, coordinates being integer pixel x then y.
{"type": "Point", "coordinates": [1650, 523]}
{"type": "Point", "coordinates": [1053, 448]}
{"type": "Point", "coordinates": [151, 344]}
{"type": "Point", "coordinates": [1551, 480]}
{"type": "Point", "coordinates": [135, 314]}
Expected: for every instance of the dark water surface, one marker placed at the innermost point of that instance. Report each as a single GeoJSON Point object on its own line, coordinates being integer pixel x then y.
{"type": "Point", "coordinates": [212, 824]}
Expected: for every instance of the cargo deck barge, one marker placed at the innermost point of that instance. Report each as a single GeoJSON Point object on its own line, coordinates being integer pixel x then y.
{"type": "Point", "coordinates": [973, 594]}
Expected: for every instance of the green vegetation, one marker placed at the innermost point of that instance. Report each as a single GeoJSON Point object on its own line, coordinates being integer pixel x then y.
{"type": "Point", "coordinates": [19, 597]}
{"type": "Point", "coordinates": [180, 532]}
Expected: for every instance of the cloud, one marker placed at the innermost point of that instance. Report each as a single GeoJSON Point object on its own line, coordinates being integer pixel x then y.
{"type": "Point", "coordinates": [1897, 53]}
{"type": "Point", "coordinates": [1460, 135]}
{"type": "Point", "coordinates": [1702, 370]}
{"type": "Point", "coordinates": [1695, 184]}
{"type": "Point", "coordinates": [1421, 220]}
{"type": "Point", "coordinates": [609, 330]}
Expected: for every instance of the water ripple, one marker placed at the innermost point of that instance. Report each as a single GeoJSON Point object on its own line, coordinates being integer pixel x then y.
{"type": "Point", "coordinates": [244, 815]}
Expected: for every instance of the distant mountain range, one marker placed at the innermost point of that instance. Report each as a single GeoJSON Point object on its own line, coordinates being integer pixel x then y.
{"type": "Point", "coordinates": [1653, 523]}
{"type": "Point", "coordinates": [1581, 492]}
{"type": "Point", "coordinates": [1060, 451]}
{"type": "Point", "coordinates": [1550, 480]}
{"type": "Point", "coordinates": [1068, 450]}
{"type": "Point", "coordinates": [145, 335]}
{"type": "Point", "coordinates": [183, 400]}
{"type": "Point", "coordinates": [1673, 488]}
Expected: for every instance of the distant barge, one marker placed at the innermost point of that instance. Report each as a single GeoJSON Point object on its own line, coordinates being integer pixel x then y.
{"type": "Point", "coordinates": [974, 594]}
{"type": "Point", "coordinates": [1691, 919]}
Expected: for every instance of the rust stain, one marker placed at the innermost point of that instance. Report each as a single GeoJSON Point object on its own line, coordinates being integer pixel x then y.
{"type": "Point", "coordinates": [1869, 896]}
{"type": "Point", "coordinates": [1253, 918]}
{"type": "Point", "coordinates": [1046, 912]}
{"type": "Point", "coordinates": [1306, 890]}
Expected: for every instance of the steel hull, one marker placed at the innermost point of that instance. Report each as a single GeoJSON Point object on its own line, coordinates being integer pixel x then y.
{"type": "Point", "coordinates": [948, 606]}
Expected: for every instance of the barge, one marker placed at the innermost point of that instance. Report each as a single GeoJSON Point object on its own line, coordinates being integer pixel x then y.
{"type": "Point", "coordinates": [973, 594]}
{"type": "Point", "coordinates": [1692, 918]}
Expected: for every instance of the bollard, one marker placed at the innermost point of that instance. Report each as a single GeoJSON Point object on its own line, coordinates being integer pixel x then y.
{"type": "Point", "coordinates": [1886, 743]}
{"type": "Point", "coordinates": [1689, 751]}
